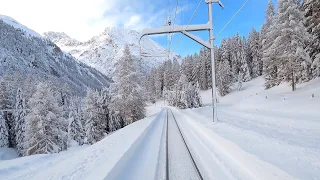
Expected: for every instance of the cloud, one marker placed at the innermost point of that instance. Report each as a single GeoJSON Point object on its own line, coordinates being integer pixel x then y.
{"type": "Point", "coordinates": [83, 19]}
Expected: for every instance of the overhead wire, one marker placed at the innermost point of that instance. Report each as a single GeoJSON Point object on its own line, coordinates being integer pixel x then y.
{"type": "Point", "coordinates": [232, 17]}
{"type": "Point", "coordinates": [195, 11]}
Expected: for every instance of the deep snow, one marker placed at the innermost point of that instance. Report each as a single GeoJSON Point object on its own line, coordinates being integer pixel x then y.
{"type": "Point", "coordinates": [277, 126]}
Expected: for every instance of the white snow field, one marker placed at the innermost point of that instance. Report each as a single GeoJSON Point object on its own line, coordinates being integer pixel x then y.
{"type": "Point", "coordinates": [8, 153]}
{"type": "Point", "coordinates": [261, 135]}
{"type": "Point", "coordinates": [278, 127]}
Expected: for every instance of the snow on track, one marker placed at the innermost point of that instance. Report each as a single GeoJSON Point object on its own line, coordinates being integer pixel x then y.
{"type": "Point", "coordinates": [181, 165]}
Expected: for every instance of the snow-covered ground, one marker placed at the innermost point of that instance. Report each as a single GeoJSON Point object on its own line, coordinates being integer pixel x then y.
{"type": "Point", "coordinates": [8, 153]}
{"type": "Point", "coordinates": [84, 162]}
{"type": "Point", "coordinates": [276, 126]}
{"type": "Point", "coordinates": [261, 134]}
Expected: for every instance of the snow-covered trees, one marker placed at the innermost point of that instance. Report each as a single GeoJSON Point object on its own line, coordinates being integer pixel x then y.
{"type": "Point", "coordinates": [168, 80]}
{"type": "Point", "coordinates": [43, 123]}
{"type": "Point", "coordinates": [4, 141]}
{"type": "Point", "coordinates": [268, 34]}
{"type": "Point", "coordinates": [286, 44]}
{"type": "Point", "coordinates": [7, 91]}
{"type": "Point", "coordinates": [316, 66]}
{"type": "Point", "coordinates": [129, 98]}
{"type": "Point", "coordinates": [291, 57]}
{"type": "Point", "coordinates": [224, 78]}
{"type": "Point", "coordinates": [311, 10]}
{"type": "Point", "coordinates": [20, 123]}
{"type": "Point", "coordinates": [75, 126]}
{"type": "Point", "coordinates": [244, 67]}
{"type": "Point", "coordinates": [185, 94]}
{"type": "Point", "coordinates": [203, 72]}
{"type": "Point", "coordinates": [255, 56]}
{"type": "Point", "coordinates": [224, 75]}
{"type": "Point", "coordinates": [94, 126]}
{"type": "Point", "coordinates": [175, 71]}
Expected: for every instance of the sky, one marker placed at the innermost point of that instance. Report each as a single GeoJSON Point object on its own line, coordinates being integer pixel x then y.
{"type": "Point", "coordinates": [83, 19]}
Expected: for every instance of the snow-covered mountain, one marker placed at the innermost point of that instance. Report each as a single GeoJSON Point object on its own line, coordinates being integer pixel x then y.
{"type": "Point", "coordinates": [102, 51]}
{"type": "Point", "coordinates": [25, 52]}
{"type": "Point", "coordinates": [17, 25]}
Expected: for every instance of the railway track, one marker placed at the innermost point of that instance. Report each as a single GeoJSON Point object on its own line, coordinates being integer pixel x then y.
{"type": "Point", "coordinates": [179, 161]}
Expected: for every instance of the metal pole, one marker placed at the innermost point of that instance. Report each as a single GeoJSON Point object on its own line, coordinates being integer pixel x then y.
{"type": "Point", "coordinates": [214, 102]}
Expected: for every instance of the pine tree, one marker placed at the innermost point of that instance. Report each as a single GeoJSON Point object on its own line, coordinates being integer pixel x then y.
{"type": "Point", "coordinates": [244, 66]}
{"type": "Point", "coordinates": [94, 126]}
{"type": "Point", "coordinates": [105, 101]}
{"type": "Point", "coordinates": [117, 120]}
{"type": "Point", "coordinates": [194, 93]}
{"type": "Point", "coordinates": [75, 128]}
{"type": "Point", "coordinates": [224, 74]}
{"type": "Point", "coordinates": [183, 100]}
{"type": "Point", "coordinates": [195, 75]}
{"type": "Point", "coordinates": [159, 82]}
{"type": "Point", "coordinates": [208, 67]}
{"type": "Point", "coordinates": [129, 99]}
{"type": "Point", "coordinates": [266, 27]}
{"type": "Point", "coordinates": [7, 91]}
{"type": "Point", "coordinates": [63, 96]}
{"type": "Point", "coordinates": [187, 67]}
{"type": "Point", "coordinates": [311, 9]}
{"type": "Point", "coordinates": [175, 71]}
{"type": "Point", "coordinates": [167, 76]}
{"type": "Point", "coordinates": [20, 124]}
{"type": "Point", "coordinates": [268, 35]}
{"type": "Point", "coordinates": [292, 60]}
{"type": "Point", "coordinates": [203, 71]}
{"type": "Point", "coordinates": [151, 87]}
{"type": "Point", "coordinates": [43, 123]}
{"type": "Point", "coordinates": [316, 66]}
{"type": "Point", "coordinates": [188, 94]}
{"type": "Point", "coordinates": [224, 77]}
{"type": "Point", "coordinates": [4, 141]}
{"type": "Point", "coordinates": [237, 57]}
{"type": "Point", "coordinates": [255, 53]}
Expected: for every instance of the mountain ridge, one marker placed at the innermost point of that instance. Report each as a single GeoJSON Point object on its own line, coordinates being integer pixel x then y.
{"type": "Point", "coordinates": [102, 51]}
{"type": "Point", "coordinates": [31, 55]}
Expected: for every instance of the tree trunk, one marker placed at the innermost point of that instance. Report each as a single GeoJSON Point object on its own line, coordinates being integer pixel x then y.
{"type": "Point", "coordinates": [293, 83]}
